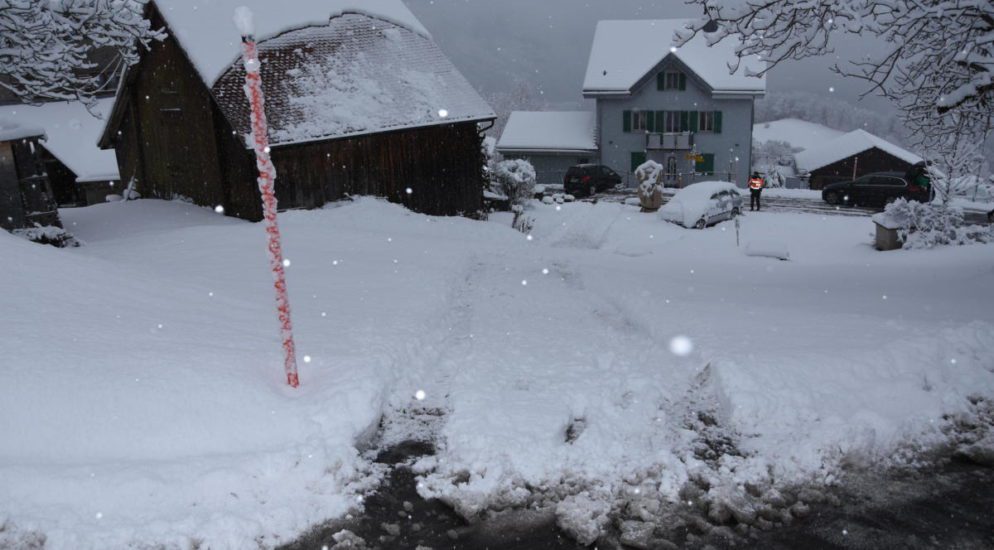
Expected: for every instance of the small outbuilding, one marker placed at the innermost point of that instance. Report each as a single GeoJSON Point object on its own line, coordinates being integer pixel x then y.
{"type": "Point", "coordinates": [25, 194]}
{"type": "Point", "coordinates": [79, 172]}
{"type": "Point", "coordinates": [360, 101]}
{"type": "Point", "coordinates": [850, 156]}
{"type": "Point", "coordinates": [551, 140]}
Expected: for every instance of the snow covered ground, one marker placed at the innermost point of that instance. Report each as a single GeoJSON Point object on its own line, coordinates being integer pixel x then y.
{"type": "Point", "coordinates": [591, 367]}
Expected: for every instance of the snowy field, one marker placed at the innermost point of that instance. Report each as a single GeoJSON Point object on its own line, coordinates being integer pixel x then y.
{"type": "Point", "coordinates": [608, 361]}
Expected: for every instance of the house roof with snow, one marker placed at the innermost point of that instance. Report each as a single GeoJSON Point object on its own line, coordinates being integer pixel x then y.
{"type": "Point", "coordinates": [353, 75]}
{"type": "Point", "coordinates": [549, 132]}
{"type": "Point", "coordinates": [71, 135]}
{"type": "Point", "coordinates": [800, 134]}
{"type": "Point", "coordinates": [624, 52]}
{"type": "Point", "coordinates": [847, 145]}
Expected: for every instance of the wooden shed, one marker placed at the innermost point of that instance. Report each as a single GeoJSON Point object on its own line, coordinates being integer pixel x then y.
{"type": "Point", "coordinates": [25, 194]}
{"type": "Point", "coordinates": [79, 172]}
{"type": "Point", "coordinates": [850, 156]}
{"type": "Point", "coordinates": [359, 102]}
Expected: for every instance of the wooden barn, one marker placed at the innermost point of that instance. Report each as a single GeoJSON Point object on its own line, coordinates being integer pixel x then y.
{"type": "Point", "coordinates": [360, 101]}
{"type": "Point", "coordinates": [850, 156]}
{"type": "Point", "coordinates": [25, 195]}
{"type": "Point", "coordinates": [79, 172]}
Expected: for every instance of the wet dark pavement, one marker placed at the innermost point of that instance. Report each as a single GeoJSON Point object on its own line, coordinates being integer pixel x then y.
{"type": "Point", "coordinates": [948, 507]}
{"type": "Point", "coordinates": [396, 517]}
{"type": "Point", "coordinates": [951, 507]}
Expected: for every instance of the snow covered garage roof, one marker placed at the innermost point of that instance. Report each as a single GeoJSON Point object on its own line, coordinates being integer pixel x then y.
{"type": "Point", "coordinates": [847, 145]}
{"type": "Point", "coordinates": [625, 51]}
{"type": "Point", "coordinates": [798, 133]}
{"type": "Point", "coordinates": [207, 32]}
{"type": "Point", "coordinates": [549, 131]}
{"type": "Point", "coordinates": [71, 135]}
{"type": "Point", "coordinates": [351, 76]}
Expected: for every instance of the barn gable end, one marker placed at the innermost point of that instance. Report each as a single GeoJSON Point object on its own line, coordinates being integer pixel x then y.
{"type": "Point", "coordinates": [179, 138]}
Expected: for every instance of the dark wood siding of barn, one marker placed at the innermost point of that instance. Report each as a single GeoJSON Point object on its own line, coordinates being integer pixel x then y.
{"type": "Point", "coordinates": [128, 147]}
{"type": "Point", "coordinates": [869, 161]}
{"type": "Point", "coordinates": [175, 126]}
{"type": "Point", "coordinates": [441, 165]}
{"type": "Point", "coordinates": [242, 197]}
{"type": "Point", "coordinates": [11, 206]}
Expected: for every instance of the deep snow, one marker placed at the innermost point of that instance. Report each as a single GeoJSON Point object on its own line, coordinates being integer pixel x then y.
{"type": "Point", "coordinates": [142, 397]}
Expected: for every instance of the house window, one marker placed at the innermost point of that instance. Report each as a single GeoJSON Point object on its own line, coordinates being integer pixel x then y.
{"type": "Point", "coordinates": [640, 121]}
{"type": "Point", "coordinates": [705, 121]}
{"type": "Point", "coordinates": [671, 80]}
{"type": "Point", "coordinates": [708, 121]}
{"type": "Point", "coordinates": [671, 122]}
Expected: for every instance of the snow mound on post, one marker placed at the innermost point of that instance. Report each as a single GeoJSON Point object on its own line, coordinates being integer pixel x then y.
{"type": "Point", "coordinates": [243, 21]}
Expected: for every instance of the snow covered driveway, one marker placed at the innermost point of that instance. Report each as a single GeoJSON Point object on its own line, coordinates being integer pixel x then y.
{"type": "Point", "coordinates": [142, 397]}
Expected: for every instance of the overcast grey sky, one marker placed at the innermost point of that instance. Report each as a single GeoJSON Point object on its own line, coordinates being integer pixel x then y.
{"type": "Point", "coordinates": [494, 42]}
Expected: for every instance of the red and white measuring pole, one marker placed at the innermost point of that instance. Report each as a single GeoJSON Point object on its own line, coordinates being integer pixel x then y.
{"type": "Point", "coordinates": [267, 181]}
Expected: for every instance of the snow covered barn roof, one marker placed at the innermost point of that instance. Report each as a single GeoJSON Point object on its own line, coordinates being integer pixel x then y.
{"type": "Point", "coordinates": [847, 145]}
{"type": "Point", "coordinates": [351, 76]}
{"type": "Point", "coordinates": [800, 134]}
{"type": "Point", "coordinates": [71, 135]}
{"type": "Point", "coordinates": [625, 51]}
{"type": "Point", "coordinates": [207, 31]}
{"type": "Point", "coordinates": [549, 131]}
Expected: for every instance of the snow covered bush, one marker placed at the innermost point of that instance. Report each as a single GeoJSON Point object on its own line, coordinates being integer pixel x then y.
{"type": "Point", "coordinates": [650, 190]}
{"type": "Point", "coordinates": [931, 224]}
{"type": "Point", "coordinates": [46, 48]}
{"type": "Point", "coordinates": [515, 179]}
{"type": "Point", "coordinates": [775, 159]}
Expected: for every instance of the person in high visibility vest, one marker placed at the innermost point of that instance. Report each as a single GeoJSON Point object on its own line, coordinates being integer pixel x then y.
{"type": "Point", "coordinates": [756, 185]}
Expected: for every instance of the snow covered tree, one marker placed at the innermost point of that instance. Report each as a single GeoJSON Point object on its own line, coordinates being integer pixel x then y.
{"type": "Point", "coordinates": [516, 178]}
{"type": "Point", "coordinates": [46, 47]}
{"type": "Point", "coordinates": [936, 59]}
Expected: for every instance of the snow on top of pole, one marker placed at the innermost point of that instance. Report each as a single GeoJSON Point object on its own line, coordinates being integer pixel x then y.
{"type": "Point", "coordinates": [243, 20]}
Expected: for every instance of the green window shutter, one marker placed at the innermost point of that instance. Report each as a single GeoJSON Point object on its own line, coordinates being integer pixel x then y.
{"type": "Point", "coordinates": [627, 122]}
{"type": "Point", "coordinates": [706, 164]}
{"type": "Point", "coordinates": [661, 80]}
{"type": "Point", "coordinates": [684, 121]}
{"type": "Point", "coordinates": [638, 159]}
{"type": "Point", "coordinates": [693, 121]}
{"type": "Point", "coordinates": [660, 121]}
{"type": "Point", "coordinates": [683, 81]}
{"type": "Point", "coordinates": [717, 122]}
{"type": "Point", "coordinates": [650, 121]}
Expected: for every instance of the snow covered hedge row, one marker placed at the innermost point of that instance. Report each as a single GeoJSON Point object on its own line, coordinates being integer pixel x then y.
{"type": "Point", "coordinates": [930, 225]}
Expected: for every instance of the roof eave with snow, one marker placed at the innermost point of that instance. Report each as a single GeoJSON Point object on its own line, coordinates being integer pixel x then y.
{"type": "Point", "coordinates": [320, 139]}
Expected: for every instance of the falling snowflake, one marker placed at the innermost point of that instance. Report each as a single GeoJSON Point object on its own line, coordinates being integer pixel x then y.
{"type": "Point", "coordinates": [681, 345]}
{"type": "Point", "coordinates": [442, 113]}
{"type": "Point", "coordinates": [307, 358]}
{"type": "Point", "coordinates": [286, 263]}
{"type": "Point", "coordinates": [420, 395]}
{"type": "Point", "coordinates": [545, 272]}
{"type": "Point", "coordinates": [219, 209]}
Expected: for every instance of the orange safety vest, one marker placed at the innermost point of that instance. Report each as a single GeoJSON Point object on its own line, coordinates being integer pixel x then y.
{"type": "Point", "coordinates": [755, 183]}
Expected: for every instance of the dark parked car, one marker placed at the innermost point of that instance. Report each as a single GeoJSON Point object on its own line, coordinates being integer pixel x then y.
{"type": "Point", "coordinates": [584, 180]}
{"type": "Point", "coordinates": [874, 190]}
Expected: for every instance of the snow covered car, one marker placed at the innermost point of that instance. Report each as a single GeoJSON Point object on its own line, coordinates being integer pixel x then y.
{"type": "Point", "coordinates": [703, 204]}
